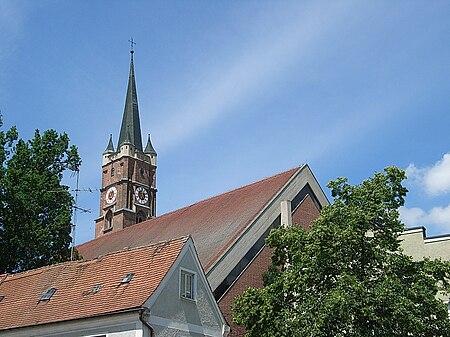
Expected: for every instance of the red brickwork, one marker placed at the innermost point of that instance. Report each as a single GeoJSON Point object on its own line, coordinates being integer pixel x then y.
{"type": "Point", "coordinates": [120, 221]}
{"type": "Point", "coordinates": [251, 277]}
{"type": "Point", "coordinates": [125, 173]}
{"type": "Point", "coordinates": [305, 213]}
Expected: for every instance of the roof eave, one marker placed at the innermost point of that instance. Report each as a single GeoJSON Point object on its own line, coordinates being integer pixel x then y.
{"type": "Point", "coordinates": [40, 324]}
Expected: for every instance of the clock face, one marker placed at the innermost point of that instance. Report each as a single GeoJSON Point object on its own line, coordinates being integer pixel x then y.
{"type": "Point", "coordinates": [141, 195]}
{"type": "Point", "coordinates": [111, 195]}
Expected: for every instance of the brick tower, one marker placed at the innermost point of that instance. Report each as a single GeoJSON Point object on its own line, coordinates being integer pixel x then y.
{"type": "Point", "coordinates": [128, 193]}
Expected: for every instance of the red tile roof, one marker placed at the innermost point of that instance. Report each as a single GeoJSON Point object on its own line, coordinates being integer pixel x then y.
{"type": "Point", "coordinates": [74, 282]}
{"type": "Point", "coordinates": [213, 223]}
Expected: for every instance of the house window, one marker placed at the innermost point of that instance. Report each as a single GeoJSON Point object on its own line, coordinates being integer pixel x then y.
{"type": "Point", "coordinates": [188, 284]}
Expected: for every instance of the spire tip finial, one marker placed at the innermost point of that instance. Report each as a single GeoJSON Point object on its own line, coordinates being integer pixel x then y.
{"type": "Point", "coordinates": [132, 43]}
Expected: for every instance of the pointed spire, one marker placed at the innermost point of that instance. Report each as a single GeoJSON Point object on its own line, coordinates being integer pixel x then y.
{"type": "Point", "coordinates": [127, 139]}
{"type": "Point", "coordinates": [110, 147]}
{"type": "Point", "coordinates": [130, 120]}
{"type": "Point", "coordinates": [149, 149]}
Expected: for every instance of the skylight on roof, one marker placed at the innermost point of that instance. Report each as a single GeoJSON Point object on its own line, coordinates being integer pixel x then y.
{"type": "Point", "coordinates": [96, 288]}
{"type": "Point", "coordinates": [1, 298]}
{"type": "Point", "coordinates": [127, 278]}
{"type": "Point", "coordinates": [48, 294]}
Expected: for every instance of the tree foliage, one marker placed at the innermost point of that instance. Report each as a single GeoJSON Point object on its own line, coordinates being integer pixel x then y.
{"type": "Point", "coordinates": [35, 208]}
{"type": "Point", "coordinates": [347, 275]}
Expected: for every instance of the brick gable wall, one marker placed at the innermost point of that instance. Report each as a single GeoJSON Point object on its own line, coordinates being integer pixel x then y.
{"type": "Point", "coordinates": [302, 216]}
{"type": "Point", "coordinates": [251, 277]}
{"type": "Point", "coordinates": [305, 213]}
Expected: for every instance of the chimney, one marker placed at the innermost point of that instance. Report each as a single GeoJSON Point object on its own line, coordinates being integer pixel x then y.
{"type": "Point", "coordinates": [286, 213]}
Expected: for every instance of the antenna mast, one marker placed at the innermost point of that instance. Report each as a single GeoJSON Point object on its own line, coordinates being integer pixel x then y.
{"type": "Point", "coordinates": [74, 223]}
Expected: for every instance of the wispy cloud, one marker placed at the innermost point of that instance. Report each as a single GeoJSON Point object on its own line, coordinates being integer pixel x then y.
{"type": "Point", "coordinates": [11, 20]}
{"type": "Point", "coordinates": [255, 68]}
{"type": "Point", "coordinates": [10, 17]}
{"type": "Point", "coordinates": [437, 216]}
{"type": "Point", "coordinates": [413, 217]}
{"type": "Point", "coordinates": [435, 180]}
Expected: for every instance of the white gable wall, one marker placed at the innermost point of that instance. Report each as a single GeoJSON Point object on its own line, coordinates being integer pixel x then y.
{"type": "Point", "coordinates": [171, 315]}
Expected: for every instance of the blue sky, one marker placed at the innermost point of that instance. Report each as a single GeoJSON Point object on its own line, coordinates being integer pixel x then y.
{"type": "Point", "coordinates": [235, 91]}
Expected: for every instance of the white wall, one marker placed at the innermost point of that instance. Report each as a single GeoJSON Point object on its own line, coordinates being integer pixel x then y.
{"type": "Point", "coordinates": [175, 316]}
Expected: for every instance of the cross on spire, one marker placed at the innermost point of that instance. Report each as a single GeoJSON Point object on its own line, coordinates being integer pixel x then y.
{"type": "Point", "coordinates": [132, 43]}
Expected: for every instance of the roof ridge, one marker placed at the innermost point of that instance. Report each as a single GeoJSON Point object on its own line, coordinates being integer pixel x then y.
{"type": "Point", "coordinates": [255, 216]}
{"type": "Point", "coordinates": [224, 193]}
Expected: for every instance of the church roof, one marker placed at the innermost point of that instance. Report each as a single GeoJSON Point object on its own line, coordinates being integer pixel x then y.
{"type": "Point", "coordinates": [86, 288]}
{"type": "Point", "coordinates": [130, 131]}
{"type": "Point", "coordinates": [214, 223]}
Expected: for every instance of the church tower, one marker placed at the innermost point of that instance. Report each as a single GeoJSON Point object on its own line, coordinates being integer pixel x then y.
{"type": "Point", "coordinates": [128, 193]}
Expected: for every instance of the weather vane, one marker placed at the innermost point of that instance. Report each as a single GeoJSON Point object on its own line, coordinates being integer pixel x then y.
{"type": "Point", "coordinates": [132, 43]}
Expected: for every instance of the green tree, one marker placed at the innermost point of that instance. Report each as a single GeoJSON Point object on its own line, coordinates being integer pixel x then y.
{"type": "Point", "coordinates": [35, 208]}
{"type": "Point", "coordinates": [347, 275]}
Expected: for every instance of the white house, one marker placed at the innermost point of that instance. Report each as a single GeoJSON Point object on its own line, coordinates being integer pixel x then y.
{"type": "Point", "coordinates": [155, 290]}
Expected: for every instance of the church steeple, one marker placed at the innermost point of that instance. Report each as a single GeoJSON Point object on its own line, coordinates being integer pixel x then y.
{"type": "Point", "coordinates": [131, 126]}
{"type": "Point", "coordinates": [128, 193]}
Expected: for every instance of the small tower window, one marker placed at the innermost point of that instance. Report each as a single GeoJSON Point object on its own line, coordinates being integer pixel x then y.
{"type": "Point", "coordinates": [142, 171]}
{"type": "Point", "coordinates": [140, 217]}
{"type": "Point", "coordinates": [112, 172]}
{"type": "Point", "coordinates": [108, 220]}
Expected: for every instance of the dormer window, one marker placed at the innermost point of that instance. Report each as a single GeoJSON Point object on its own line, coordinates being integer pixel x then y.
{"type": "Point", "coordinates": [96, 288]}
{"type": "Point", "coordinates": [127, 278]}
{"type": "Point", "coordinates": [188, 284]}
{"type": "Point", "coordinates": [48, 294]}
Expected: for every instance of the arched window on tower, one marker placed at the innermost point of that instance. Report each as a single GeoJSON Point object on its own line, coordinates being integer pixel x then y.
{"type": "Point", "coordinates": [140, 216]}
{"type": "Point", "coordinates": [108, 220]}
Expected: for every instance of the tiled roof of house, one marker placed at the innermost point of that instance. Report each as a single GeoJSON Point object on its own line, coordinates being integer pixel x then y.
{"type": "Point", "coordinates": [213, 223]}
{"type": "Point", "coordinates": [74, 282]}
